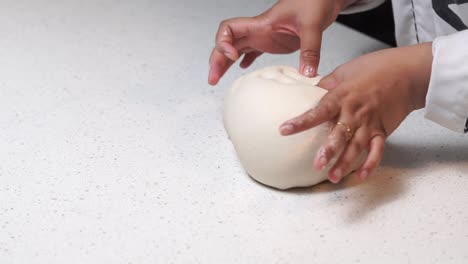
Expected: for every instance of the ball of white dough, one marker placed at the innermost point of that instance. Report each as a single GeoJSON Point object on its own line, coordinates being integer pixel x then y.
{"type": "Point", "coordinates": [254, 108]}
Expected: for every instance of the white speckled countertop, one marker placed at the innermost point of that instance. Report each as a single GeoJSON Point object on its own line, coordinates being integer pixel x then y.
{"type": "Point", "coordinates": [112, 150]}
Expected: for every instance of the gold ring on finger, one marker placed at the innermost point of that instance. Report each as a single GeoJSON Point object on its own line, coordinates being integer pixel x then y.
{"type": "Point", "coordinates": [348, 130]}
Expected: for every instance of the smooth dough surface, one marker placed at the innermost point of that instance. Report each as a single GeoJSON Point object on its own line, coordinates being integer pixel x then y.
{"type": "Point", "coordinates": [254, 108]}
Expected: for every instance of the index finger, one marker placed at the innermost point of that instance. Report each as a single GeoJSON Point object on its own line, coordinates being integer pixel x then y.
{"type": "Point", "coordinates": [326, 110]}
{"type": "Point", "coordinates": [224, 54]}
{"type": "Point", "coordinates": [219, 64]}
{"type": "Point", "coordinates": [229, 32]}
{"type": "Point", "coordinates": [311, 41]}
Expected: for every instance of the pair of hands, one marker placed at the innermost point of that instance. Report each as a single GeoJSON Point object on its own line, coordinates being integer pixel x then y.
{"type": "Point", "coordinates": [370, 95]}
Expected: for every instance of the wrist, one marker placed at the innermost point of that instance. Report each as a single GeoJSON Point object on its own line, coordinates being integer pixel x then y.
{"type": "Point", "coordinates": [420, 73]}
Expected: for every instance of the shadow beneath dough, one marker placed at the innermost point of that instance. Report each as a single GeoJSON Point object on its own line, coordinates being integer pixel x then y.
{"type": "Point", "coordinates": [410, 156]}
{"type": "Point", "coordinates": [389, 182]}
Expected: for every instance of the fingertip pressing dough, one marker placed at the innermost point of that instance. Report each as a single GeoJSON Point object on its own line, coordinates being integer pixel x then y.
{"type": "Point", "coordinates": [255, 106]}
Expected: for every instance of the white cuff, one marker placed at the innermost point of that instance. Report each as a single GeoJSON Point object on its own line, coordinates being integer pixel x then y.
{"type": "Point", "coordinates": [361, 6]}
{"type": "Point", "coordinates": [447, 96]}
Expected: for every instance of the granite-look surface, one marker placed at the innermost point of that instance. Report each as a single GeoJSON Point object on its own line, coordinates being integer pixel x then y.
{"type": "Point", "coordinates": [112, 150]}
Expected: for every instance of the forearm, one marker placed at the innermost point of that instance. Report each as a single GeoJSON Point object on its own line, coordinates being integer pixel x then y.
{"type": "Point", "coordinates": [420, 72]}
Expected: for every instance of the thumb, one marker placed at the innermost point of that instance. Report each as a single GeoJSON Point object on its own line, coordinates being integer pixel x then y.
{"type": "Point", "coordinates": [329, 82]}
{"type": "Point", "coordinates": [311, 42]}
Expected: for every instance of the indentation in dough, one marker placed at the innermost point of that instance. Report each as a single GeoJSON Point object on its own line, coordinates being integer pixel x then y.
{"type": "Point", "coordinates": [280, 75]}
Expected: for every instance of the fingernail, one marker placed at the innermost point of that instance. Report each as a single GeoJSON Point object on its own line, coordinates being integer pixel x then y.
{"type": "Point", "coordinates": [333, 179]}
{"type": "Point", "coordinates": [308, 71]}
{"type": "Point", "coordinates": [364, 174]}
{"type": "Point", "coordinates": [337, 175]}
{"type": "Point", "coordinates": [286, 129]}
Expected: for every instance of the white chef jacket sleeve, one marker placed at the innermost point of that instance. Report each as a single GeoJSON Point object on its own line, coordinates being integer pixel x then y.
{"type": "Point", "coordinates": [361, 6]}
{"type": "Point", "coordinates": [447, 96]}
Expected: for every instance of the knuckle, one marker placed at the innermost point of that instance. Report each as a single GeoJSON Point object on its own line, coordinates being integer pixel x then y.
{"type": "Point", "coordinates": [372, 103]}
{"type": "Point", "coordinates": [363, 145]}
{"type": "Point", "coordinates": [340, 69]}
{"type": "Point", "coordinates": [329, 151]}
{"type": "Point", "coordinates": [379, 133]}
{"type": "Point", "coordinates": [333, 143]}
{"type": "Point", "coordinates": [224, 29]}
{"type": "Point", "coordinates": [365, 109]}
{"type": "Point", "coordinates": [224, 23]}
{"type": "Point", "coordinates": [299, 122]}
{"type": "Point", "coordinates": [355, 107]}
{"type": "Point", "coordinates": [357, 146]}
{"type": "Point", "coordinates": [369, 166]}
{"type": "Point", "coordinates": [311, 114]}
{"type": "Point", "coordinates": [336, 72]}
{"type": "Point", "coordinates": [342, 95]}
{"type": "Point", "coordinates": [311, 25]}
{"type": "Point", "coordinates": [310, 55]}
{"type": "Point", "coordinates": [383, 132]}
{"type": "Point", "coordinates": [324, 151]}
{"type": "Point", "coordinates": [327, 108]}
{"type": "Point", "coordinates": [362, 116]}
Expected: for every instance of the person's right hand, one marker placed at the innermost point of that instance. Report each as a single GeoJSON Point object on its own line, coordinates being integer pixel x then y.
{"type": "Point", "coordinates": [284, 28]}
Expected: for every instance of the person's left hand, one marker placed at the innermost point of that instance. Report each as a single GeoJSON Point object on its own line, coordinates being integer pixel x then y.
{"type": "Point", "coordinates": [368, 98]}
